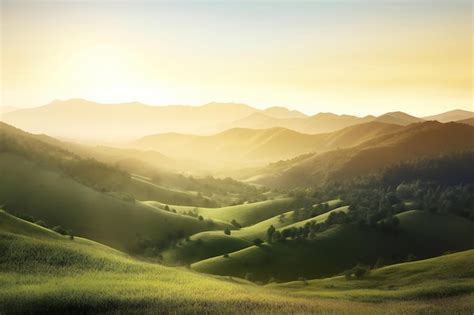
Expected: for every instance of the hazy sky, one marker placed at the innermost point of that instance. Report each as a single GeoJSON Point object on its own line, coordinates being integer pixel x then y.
{"type": "Point", "coordinates": [356, 57]}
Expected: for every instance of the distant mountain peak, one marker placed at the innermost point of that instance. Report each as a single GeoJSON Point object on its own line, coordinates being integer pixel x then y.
{"type": "Point", "coordinates": [283, 112]}
{"type": "Point", "coordinates": [398, 118]}
{"type": "Point", "coordinates": [225, 104]}
{"type": "Point", "coordinates": [452, 115]}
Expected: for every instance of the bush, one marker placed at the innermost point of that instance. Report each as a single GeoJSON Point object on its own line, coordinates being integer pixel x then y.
{"type": "Point", "coordinates": [226, 255]}
{"type": "Point", "coordinates": [59, 229]}
{"type": "Point", "coordinates": [358, 272]}
{"type": "Point", "coordinates": [235, 223]}
{"type": "Point", "coordinates": [227, 232]}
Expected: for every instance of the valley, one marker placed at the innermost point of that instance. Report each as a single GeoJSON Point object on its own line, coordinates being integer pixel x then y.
{"type": "Point", "coordinates": [350, 216]}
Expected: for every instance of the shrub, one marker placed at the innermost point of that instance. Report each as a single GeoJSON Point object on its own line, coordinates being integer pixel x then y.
{"type": "Point", "coordinates": [59, 229]}
{"type": "Point", "coordinates": [235, 223]}
{"type": "Point", "coordinates": [227, 232]}
{"type": "Point", "coordinates": [358, 272]}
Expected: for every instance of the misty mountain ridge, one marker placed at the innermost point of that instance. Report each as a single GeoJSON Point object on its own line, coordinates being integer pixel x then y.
{"type": "Point", "coordinates": [86, 120]}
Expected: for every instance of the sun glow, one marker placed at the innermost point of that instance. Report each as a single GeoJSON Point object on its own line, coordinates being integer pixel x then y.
{"type": "Point", "coordinates": [352, 58]}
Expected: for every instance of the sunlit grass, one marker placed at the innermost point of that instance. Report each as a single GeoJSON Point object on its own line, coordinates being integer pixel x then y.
{"type": "Point", "coordinates": [42, 271]}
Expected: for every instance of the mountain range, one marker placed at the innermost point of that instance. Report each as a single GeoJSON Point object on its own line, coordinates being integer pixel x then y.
{"type": "Point", "coordinates": [87, 120]}
{"type": "Point", "coordinates": [415, 141]}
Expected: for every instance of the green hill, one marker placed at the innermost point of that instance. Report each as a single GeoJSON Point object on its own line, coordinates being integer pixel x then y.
{"type": "Point", "coordinates": [110, 218]}
{"type": "Point", "coordinates": [208, 244]}
{"type": "Point", "coordinates": [343, 246]}
{"type": "Point", "coordinates": [43, 272]}
{"type": "Point", "coordinates": [245, 214]}
{"type": "Point", "coordinates": [143, 189]}
{"type": "Point", "coordinates": [444, 276]}
{"type": "Point", "coordinates": [75, 161]}
{"type": "Point", "coordinates": [415, 141]}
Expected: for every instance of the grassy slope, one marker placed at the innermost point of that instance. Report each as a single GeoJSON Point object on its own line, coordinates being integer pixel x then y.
{"type": "Point", "coordinates": [442, 276]}
{"type": "Point", "coordinates": [144, 189]}
{"type": "Point", "coordinates": [342, 247]}
{"type": "Point", "coordinates": [58, 200]}
{"type": "Point", "coordinates": [208, 244]}
{"type": "Point", "coordinates": [42, 271]}
{"type": "Point", "coordinates": [245, 214]}
{"type": "Point", "coordinates": [415, 141]}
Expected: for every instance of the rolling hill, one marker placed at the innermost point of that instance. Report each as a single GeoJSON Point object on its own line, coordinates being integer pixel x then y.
{"type": "Point", "coordinates": [81, 275]}
{"type": "Point", "coordinates": [445, 276]}
{"type": "Point", "coordinates": [48, 183]}
{"type": "Point", "coordinates": [242, 145]}
{"type": "Point", "coordinates": [87, 120]}
{"type": "Point", "coordinates": [246, 147]}
{"type": "Point", "coordinates": [84, 276]}
{"type": "Point", "coordinates": [344, 246]}
{"type": "Point", "coordinates": [81, 119]}
{"type": "Point", "coordinates": [398, 118]}
{"type": "Point", "coordinates": [411, 142]}
{"type": "Point", "coordinates": [78, 161]}
{"type": "Point", "coordinates": [37, 192]}
{"type": "Point", "coordinates": [209, 244]}
{"type": "Point", "coordinates": [245, 214]}
{"type": "Point", "coordinates": [319, 123]}
{"type": "Point", "coordinates": [452, 115]}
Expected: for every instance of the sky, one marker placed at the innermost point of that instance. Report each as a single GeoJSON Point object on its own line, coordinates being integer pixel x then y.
{"type": "Point", "coordinates": [353, 57]}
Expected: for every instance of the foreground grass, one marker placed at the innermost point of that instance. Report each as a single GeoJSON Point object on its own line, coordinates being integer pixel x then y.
{"type": "Point", "coordinates": [44, 272]}
{"type": "Point", "coordinates": [440, 277]}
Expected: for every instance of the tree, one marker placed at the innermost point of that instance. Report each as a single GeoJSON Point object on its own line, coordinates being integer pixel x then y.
{"type": "Point", "coordinates": [270, 232]}
{"type": "Point", "coordinates": [358, 271]}
{"type": "Point", "coordinates": [201, 218]}
{"type": "Point", "coordinates": [257, 242]}
{"type": "Point", "coordinates": [40, 222]}
{"type": "Point", "coordinates": [167, 208]}
{"type": "Point", "coordinates": [235, 223]}
{"type": "Point", "coordinates": [227, 231]}
{"type": "Point", "coordinates": [59, 229]}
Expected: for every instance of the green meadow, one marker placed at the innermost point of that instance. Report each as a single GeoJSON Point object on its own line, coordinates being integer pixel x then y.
{"type": "Point", "coordinates": [42, 271]}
